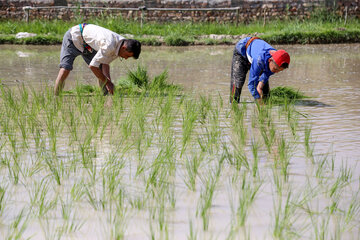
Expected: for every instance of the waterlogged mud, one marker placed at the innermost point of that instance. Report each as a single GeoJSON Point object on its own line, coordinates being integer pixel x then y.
{"type": "Point", "coordinates": [329, 74]}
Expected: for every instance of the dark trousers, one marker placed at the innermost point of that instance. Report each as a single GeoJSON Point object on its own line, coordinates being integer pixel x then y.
{"type": "Point", "coordinates": [239, 68]}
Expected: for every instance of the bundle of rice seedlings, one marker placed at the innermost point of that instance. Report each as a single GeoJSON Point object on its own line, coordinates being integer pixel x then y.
{"type": "Point", "coordinates": [279, 95]}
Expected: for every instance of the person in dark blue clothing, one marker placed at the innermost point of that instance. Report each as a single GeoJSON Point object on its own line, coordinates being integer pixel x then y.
{"type": "Point", "coordinates": [262, 60]}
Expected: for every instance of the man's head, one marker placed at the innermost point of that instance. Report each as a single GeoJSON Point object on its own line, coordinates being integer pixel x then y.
{"type": "Point", "coordinates": [130, 48]}
{"type": "Point", "coordinates": [279, 60]}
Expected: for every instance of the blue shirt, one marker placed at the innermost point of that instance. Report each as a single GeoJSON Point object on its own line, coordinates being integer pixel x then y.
{"type": "Point", "coordinates": [258, 55]}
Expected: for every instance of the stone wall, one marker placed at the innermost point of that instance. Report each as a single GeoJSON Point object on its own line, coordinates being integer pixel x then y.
{"type": "Point", "coordinates": [248, 9]}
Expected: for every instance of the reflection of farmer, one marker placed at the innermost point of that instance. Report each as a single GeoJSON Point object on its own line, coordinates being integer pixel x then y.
{"type": "Point", "coordinates": [98, 46]}
{"type": "Point", "coordinates": [262, 60]}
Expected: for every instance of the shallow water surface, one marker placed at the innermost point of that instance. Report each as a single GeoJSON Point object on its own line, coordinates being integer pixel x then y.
{"type": "Point", "coordinates": [329, 74]}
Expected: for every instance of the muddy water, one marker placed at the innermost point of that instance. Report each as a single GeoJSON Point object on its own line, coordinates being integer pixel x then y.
{"type": "Point", "coordinates": [328, 73]}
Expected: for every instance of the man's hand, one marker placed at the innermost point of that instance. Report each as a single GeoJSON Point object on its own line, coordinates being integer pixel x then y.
{"type": "Point", "coordinates": [259, 88]}
{"type": "Point", "coordinates": [104, 77]}
{"type": "Point", "coordinates": [110, 87]}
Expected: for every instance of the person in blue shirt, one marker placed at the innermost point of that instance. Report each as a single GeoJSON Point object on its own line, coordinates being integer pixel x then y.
{"type": "Point", "coordinates": [262, 60]}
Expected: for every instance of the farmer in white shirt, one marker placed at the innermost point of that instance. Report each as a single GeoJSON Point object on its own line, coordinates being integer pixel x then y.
{"type": "Point", "coordinates": [98, 46]}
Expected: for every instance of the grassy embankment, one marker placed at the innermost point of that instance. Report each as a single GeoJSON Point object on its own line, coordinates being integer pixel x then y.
{"type": "Point", "coordinates": [320, 28]}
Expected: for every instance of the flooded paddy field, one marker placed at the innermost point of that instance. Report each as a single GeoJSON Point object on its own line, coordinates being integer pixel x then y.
{"type": "Point", "coordinates": [187, 166]}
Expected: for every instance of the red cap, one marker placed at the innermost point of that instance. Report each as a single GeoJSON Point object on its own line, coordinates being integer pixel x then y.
{"type": "Point", "coordinates": [280, 57]}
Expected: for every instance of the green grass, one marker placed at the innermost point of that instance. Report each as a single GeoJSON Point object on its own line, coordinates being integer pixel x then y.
{"type": "Point", "coordinates": [318, 29]}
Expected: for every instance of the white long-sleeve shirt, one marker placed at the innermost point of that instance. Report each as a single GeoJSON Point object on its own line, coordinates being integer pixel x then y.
{"type": "Point", "coordinates": [105, 42]}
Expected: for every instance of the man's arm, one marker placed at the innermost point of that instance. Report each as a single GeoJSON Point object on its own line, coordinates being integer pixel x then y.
{"type": "Point", "coordinates": [106, 70]}
{"type": "Point", "coordinates": [104, 76]}
{"type": "Point", "coordinates": [259, 88]}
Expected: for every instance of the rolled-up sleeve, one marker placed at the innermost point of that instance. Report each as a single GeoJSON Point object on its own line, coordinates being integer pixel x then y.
{"type": "Point", "coordinates": [264, 78]}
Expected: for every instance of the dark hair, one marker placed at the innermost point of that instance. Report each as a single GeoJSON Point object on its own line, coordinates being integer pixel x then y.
{"type": "Point", "coordinates": [133, 46]}
{"type": "Point", "coordinates": [285, 65]}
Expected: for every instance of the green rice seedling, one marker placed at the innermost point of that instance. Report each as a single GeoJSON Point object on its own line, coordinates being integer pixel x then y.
{"type": "Point", "coordinates": [268, 132]}
{"type": "Point", "coordinates": [229, 157]}
{"type": "Point", "coordinates": [334, 203]}
{"type": "Point", "coordinates": [346, 172]}
{"type": "Point", "coordinates": [352, 212]}
{"type": "Point", "coordinates": [77, 191]}
{"type": "Point", "coordinates": [204, 108]}
{"type": "Point", "coordinates": [49, 229]}
{"type": "Point", "coordinates": [160, 86]}
{"type": "Point", "coordinates": [283, 227]}
{"type": "Point", "coordinates": [215, 130]}
{"type": "Point", "coordinates": [88, 153]}
{"type": "Point", "coordinates": [55, 166]}
{"type": "Point", "coordinates": [143, 136]}
{"type": "Point", "coordinates": [283, 157]}
{"type": "Point", "coordinates": [245, 199]}
{"type": "Point", "coordinates": [309, 148]}
{"type": "Point", "coordinates": [293, 120]}
{"type": "Point", "coordinates": [40, 200]}
{"type": "Point", "coordinates": [70, 222]}
{"type": "Point", "coordinates": [239, 127]}
{"type": "Point", "coordinates": [166, 109]}
{"type": "Point", "coordinates": [138, 202]}
{"type": "Point", "coordinates": [321, 166]}
{"type": "Point", "coordinates": [192, 166]}
{"type": "Point", "coordinates": [277, 181]}
{"type": "Point", "coordinates": [209, 141]}
{"type": "Point", "coordinates": [320, 225]}
{"type": "Point", "coordinates": [284, 95]}
{"type": "Point", "coordinates": [206, 197]}
{"type": "Point", "coordinates": [207, 194]}
{"type": "Point", "coordinates": [13, 169]}
{"type": "Point", "coordinates": [3, 199]}
{"type": "Point", "coordinates": [18, 226]}
{"type": "Point", "coordinates": [126, 126]}
{"type": "Point", "coordinates": [263, 113]}
{"type": "Point", "coordinates": [242, 159]}
{"type": "Point", "coordinates": [92, 197]}
{"type": "Point", "coordinates": [189, 117]}
{"type": "Point", "coordinates": [192, 233]}
{"type": "Point", "coordinates": [72, 123]}
{"type": "Point", "coordinates": [238, 158]}
{"type": "Point", "coordinates": [117, 219]}
{"type": "Point", "coordinates": [111, 175]}
{"type": "Point", "coordinates": [343, 179]}
{"type": "Point", "coordinates": [171, 194]}
{"type": "Point", "coordinates": [161, 213]}
{"type": "Point", "coordinates": [255, 152]}
{"type": "Point", "coordinates": [53, 125]}
{"type": "Point", "coordinates": [335, 187]}
{"type": "Point", "coordinates": [96, 116]}
{"type": "Point", "coordinates": [70, 225]}
{"type": "Point", "coordinates": [332, 163]}
{"type": "Point", "coordinates": [157, 212]}
{"type": "Point", "coordinates": [139, 77]}
{"type": "Point", "coordinates": [163, 168]}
